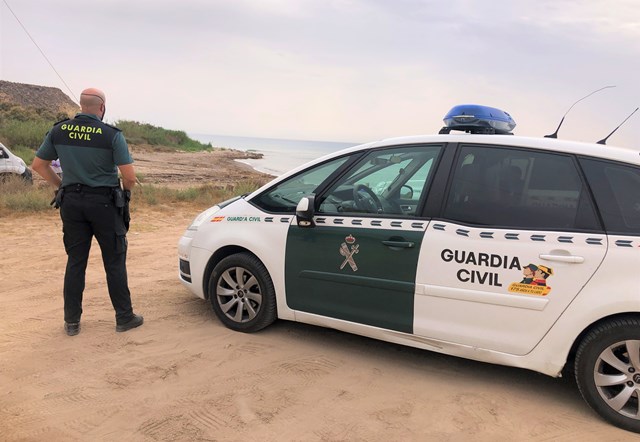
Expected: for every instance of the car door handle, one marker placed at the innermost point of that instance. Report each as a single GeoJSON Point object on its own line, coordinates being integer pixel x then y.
{"type": "Point", "coordinates": [399, 244]}
{"type": "Point", "coordinates": [572, 259]}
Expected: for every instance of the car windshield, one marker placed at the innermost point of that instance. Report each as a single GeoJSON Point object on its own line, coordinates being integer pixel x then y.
{"type": "Point", "coordinates": [284, 197]}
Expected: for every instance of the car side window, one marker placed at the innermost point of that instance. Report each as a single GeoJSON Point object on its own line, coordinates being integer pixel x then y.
{"type": "Point", "coordinates": [616, 188]}
{"type": "Point", "coordinates": [519, 188]}
{"type": "Point", "coordinates": [284, 197]}
{"type": "Point", "coordinates": [384, 182]}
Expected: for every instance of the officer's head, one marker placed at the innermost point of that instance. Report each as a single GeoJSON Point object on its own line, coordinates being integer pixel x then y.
{"type": "Point", "coordinates": [93, 101]}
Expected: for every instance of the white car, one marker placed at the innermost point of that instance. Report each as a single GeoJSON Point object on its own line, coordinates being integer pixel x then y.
{"type": "Point", "coordinates": [11, 164]}
{"type": "Point", "coordinates": [510, 250]}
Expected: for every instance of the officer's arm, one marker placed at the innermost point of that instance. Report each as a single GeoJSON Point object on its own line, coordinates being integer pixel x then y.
{"type": "Point", "coordinates": [43, 168]}
{"type": "Point", "coordinates": [128, 176]}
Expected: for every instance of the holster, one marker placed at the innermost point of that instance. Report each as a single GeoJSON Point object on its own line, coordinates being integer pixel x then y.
{"type": "Point", "coordinates": [121, 200]}
{"type": "Point", "coordinates": [126, 215]}
{"type": "Point", "coordinates": [56, 202]}
{"type": "Point", "coordinates": [118, 198]}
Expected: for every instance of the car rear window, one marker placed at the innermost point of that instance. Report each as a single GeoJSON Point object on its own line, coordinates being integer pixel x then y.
{"type": "Point", "coordinates": [616, 188]}
{"type": "Point", "coordinates": [518, 188]}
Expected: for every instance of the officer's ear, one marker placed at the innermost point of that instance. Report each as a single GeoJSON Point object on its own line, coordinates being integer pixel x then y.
{"type": "Point", "coordinates": [103, 108]}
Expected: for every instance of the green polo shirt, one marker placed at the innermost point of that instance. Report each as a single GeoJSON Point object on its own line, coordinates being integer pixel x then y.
{"type": "Point", "coordinates": [89, 151]}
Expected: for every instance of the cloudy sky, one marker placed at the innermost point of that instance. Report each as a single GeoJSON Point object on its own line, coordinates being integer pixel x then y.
{"type": "Point", "coordinates": [336, 70]}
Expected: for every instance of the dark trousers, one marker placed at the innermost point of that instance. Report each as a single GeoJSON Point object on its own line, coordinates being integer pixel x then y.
{"type": "Point", "coordinates": [85, 214]}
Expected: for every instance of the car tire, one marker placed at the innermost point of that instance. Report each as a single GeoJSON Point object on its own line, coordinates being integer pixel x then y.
{"type": "Point", "coordinates": [27, 176]}
{"type": "Point", "coordinates": [607, 371]}
{"type": "Point", "coordinates": [242, 294]}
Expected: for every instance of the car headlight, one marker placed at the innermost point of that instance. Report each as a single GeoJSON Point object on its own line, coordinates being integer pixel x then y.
{"type": "Point", "coordinates": [197, 222]}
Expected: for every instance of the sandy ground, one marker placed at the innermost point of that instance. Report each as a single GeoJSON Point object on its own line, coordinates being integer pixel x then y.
{"type": "Point", "coordinates": [183, 376]}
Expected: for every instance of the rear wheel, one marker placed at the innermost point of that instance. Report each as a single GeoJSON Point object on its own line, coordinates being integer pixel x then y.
{"type": "Point", "coordinates": [607, 370]}
{"type": "Point", "coordinates": [242, 294]}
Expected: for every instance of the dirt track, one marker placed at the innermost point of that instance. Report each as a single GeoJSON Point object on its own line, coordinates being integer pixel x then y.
{"type": "Point", "coordinates": [183, 376]}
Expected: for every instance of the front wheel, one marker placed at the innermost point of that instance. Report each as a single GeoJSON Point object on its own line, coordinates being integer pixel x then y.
{"type": "Point", "coordinates": [242, 294]}
{"type": "Point", "coordinates": [607, 370]}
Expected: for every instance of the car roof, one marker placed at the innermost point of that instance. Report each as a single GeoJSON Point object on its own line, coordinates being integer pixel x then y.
{"type": "Point", "coordinates": [615, 153]}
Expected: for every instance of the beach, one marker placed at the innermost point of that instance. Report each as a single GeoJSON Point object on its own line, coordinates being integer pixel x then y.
{"type": "Point", "coordinates": [222, 168]}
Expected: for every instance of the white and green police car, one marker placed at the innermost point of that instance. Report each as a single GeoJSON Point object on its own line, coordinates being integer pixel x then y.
{"type": "Point", "coordinates": [504, 249]}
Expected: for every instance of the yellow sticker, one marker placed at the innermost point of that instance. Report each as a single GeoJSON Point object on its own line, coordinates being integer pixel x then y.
{"type": "Point", "coordinates": [534, 281]}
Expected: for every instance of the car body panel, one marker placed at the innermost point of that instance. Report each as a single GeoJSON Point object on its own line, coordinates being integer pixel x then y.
{"type": "Point", "coordinates": [342, 269]}
{"type": "Point", "coordinates": [244, 227]}
{"type": "Point", "coordinates": [476, 308]}
{"type": "Point", "coordinates": [469, 277]}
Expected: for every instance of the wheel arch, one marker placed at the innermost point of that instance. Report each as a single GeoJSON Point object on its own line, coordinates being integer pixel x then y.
{"type": "Point", "coordinates": [568, 367]}
{"type": "Point", "coordinates": [218, 256]}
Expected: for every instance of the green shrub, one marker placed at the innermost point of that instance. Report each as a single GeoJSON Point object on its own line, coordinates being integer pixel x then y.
{"type": "Point", "coordinates": [26, 127]}
{"type": "Point", "coordinates": [10, 111]}
{"type": "Point", "coordinates": [144, 133]}
{"type": "Point", "coordinates": [23, 134]}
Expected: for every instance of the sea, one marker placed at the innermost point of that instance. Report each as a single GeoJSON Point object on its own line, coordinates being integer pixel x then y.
{"type": "Point", "coordinates": [278, 155]}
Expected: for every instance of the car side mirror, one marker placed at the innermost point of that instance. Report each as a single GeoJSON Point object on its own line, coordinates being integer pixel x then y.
{"type": "Point", "coordinates": [406, 192]}
{"type": "Point", "coordinates": [305, 211]}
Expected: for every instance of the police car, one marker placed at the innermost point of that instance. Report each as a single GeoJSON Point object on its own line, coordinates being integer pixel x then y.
{"type": "Point", "coordinates": [498, 248]}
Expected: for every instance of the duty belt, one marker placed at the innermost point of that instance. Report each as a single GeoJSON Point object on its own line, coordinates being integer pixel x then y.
{"type": "Point", "coordinates": [81, 188]}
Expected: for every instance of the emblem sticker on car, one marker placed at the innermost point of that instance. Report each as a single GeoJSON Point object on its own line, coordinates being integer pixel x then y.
{"type": "Point", "coordinates": [347, 249]}
{"type": "Point", "coordinates": [534, 281]}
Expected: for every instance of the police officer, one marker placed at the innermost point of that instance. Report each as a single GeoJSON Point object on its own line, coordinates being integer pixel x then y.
{"type": "Point", "coordinates": [91, 203]}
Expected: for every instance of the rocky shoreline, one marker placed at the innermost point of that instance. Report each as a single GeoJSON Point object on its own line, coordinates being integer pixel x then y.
{"type": "Point", "coordinates": [186, 169]}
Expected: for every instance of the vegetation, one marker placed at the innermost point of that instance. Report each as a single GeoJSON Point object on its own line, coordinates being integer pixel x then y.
{"type": "Point", "coordinates": [202, 196]}
{"type": "Point", "coordinates": [16, 195]}
{"type": "Point", "coordinates": [143, 133]}
{"type": "Point", "coordinates": [23, 129]}
{"type": "Point", "coordinates": [19, 196]}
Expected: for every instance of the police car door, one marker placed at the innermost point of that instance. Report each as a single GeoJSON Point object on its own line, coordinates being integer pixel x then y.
{"type": "Point", "coordinates": [358, 263]}
{"type": "Point", "coordinates": [517, 240]}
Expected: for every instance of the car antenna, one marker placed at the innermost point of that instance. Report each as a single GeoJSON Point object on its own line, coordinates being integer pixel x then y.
{"type": "Point", "coordinates": [604, 140]}
{"type": "Point", "coordinates": [555, 134]}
